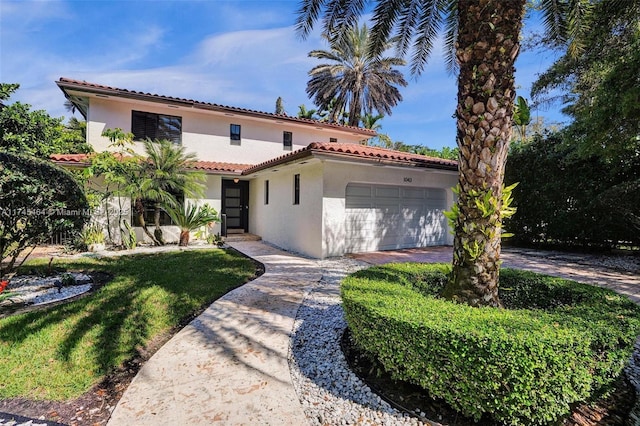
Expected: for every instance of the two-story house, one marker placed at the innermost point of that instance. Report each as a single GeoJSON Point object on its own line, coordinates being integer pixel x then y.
{"type": "Point", "coordinates": [304, 185]}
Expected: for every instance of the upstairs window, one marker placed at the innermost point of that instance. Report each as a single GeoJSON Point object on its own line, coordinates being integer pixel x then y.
{"type": "Point", "coordinates": [287, 140]}
{"type": "Point", "coordinates": [156, 126]}
{"type": "Point", "coordinates": [296, 189]}
{"type": "Point", "coordinates": [234, 134]}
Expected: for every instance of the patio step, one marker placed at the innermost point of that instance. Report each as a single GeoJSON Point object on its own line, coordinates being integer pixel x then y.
{"type": "Point", "coordinates": [234, 238]}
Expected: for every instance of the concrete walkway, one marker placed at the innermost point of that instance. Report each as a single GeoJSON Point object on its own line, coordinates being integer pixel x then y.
{"type": "Point", "coordinates": [229, 365]}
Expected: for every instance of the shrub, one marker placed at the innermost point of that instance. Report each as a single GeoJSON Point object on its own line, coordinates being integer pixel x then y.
{"type": "Point", "coordinates": [37, 200]}
{"type": "Point", "coordinates": [561, 343]}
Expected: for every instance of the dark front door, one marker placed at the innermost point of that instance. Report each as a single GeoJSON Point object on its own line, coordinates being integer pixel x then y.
{"type": "Point", "coordinates": [235, 204]}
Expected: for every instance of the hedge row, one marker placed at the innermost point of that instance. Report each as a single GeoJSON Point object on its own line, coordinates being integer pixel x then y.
{"type": "Point", "coordinates": [567, 200]}
{"type": "Point", "coordinates": [562, 342]}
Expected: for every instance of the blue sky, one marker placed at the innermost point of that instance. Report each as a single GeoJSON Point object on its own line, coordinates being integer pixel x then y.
{"type": "Point", "coordinates": [240, 53]}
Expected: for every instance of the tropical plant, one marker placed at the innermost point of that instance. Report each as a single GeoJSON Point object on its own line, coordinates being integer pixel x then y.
{"type": "Point", "coordinates": [360, 80]}
{"type": "Point", "coordinates": [521, 117]}
{"type": "Point", "coordinates": [370, 121]}
{"type": "Point", "coordinates": [164, 175]}
{"type": "Point", "coordinates": [128, 235]}
{"type": "Point", "coordinates": [303, 112]}
{"type": "Point", "coordinates": [37, 200]}
{"type": "Point", "coordinates": [191, 218]}
{"type": "Point", "coordinates": [482, 42]}
{"type": "Point", "coordinates": [92, 234]}
{"type": "Point", "coordinates": [116, 168]}
{"type": "Point", "coordinates": [600, 87]}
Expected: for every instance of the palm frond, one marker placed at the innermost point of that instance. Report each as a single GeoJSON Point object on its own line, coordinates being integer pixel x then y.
{"type": "Point", "coordinates": [451, 36]}
{"type": "Point", "coordinates": [426, 33]}
{"type": "Point", "coordinates": [307, 15]}
{"type": "Point", "coordinates": [554, 14]}
{"type": "Point", "coordinates": [385, 17]}
{"type": "Point", "coordinates": [578, 17]}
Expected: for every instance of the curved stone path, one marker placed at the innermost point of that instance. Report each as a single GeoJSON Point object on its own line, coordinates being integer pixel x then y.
{"type": "Point", "coordinates": [229, 365]}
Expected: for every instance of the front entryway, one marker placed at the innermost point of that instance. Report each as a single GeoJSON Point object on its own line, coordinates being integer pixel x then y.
{"type": "Point", "coordinates": [235, 204]}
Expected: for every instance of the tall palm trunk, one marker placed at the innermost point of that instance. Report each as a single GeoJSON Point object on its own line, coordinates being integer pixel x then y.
{"type": "Point", "coordinates": [487, 47]}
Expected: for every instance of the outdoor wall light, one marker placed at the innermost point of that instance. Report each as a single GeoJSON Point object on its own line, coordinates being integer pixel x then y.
{"type": "Point", "coordinates": [236, 180]}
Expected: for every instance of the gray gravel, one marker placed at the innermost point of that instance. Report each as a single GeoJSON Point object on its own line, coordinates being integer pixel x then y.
{"type": "Point", "coordinates": [329, 392]}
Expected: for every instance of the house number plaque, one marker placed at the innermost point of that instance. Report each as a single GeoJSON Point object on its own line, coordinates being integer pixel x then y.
{"type": "Point", "coordinates": [408, 179]}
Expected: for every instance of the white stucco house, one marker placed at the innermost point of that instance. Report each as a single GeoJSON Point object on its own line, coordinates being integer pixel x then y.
{"type": "Point", "coordinates": [304, 185]}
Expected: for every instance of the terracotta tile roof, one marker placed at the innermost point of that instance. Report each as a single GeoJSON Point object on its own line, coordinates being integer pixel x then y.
{"type": "Point", "coordinates": [214, 166]}
{"type": "Point", "coordinates": [79, 159]}
{"type": "Point", "coordinates": [206, 166]}
{"type": "Point", "coordinates": [361, 152]}
{"type": "Point", "coordinates": [67, 83]}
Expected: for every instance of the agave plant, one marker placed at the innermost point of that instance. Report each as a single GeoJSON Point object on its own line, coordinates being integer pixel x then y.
{"type": "Point", "coordinates": [191, 217]}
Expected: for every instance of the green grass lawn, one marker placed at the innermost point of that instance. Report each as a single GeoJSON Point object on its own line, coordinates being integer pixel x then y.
{"type": "Point", "coordinates": [60, 352]}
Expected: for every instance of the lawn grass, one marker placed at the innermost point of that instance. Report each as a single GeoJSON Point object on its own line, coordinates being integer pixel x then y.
{"type": "Point", "coordinates": [60, 352]}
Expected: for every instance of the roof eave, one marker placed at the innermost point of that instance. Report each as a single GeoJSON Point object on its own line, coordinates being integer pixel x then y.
{"type": "Point", "coordinates": [320, 153]}
{"type": "Point", "coordinates": [70, 85]}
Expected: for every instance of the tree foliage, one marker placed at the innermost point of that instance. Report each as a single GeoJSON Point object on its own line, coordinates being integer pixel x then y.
{"type": "Point", "coordinates": [29, 132]}
{"type": "Point", "coordinates": [37, 199]}
{"type": "Point", "coordinates": [601, 85]}
{"type": "Point", "coordinates": [568, 199]}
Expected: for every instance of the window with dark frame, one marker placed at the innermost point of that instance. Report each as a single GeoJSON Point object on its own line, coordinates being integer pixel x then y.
{"type": "Point", "coordinates": [296, 189]}
{"type": "Point", "coordinates": [266, 192]}
{"type": "Point", "coordinates": [287, 140]}
{"type": "Point", "coordinates": [234, 134]}
{"type": "Point", "coordinates": [156, 126]}
{"type": "Point", "coordinates": [333, 140]}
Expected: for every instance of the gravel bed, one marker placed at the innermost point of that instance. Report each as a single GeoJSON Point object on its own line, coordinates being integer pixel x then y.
{"type": "Point", "coordinates": [40, 290]}
{"type": "Point", "coordinates": [330, 393]}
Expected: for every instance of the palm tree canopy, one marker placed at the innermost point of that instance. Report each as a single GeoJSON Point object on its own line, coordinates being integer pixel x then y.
{"type": "Point", "coordinates": [355, 78]}
{"type": "Point", "coordinates": [414, 24]}
{"type": "Point", "coordinates": [165, 172]}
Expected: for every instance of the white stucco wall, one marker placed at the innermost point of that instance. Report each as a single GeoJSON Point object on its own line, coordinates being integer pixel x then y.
{"type": "Point", "coordinates": [337, 175]}
{"type": "Point", "coordinates": [207, 133]}
{"type": "Point", "coordinates": [293, 227]}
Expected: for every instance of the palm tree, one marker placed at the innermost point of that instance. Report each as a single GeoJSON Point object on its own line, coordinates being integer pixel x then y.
{"type": "Point", "coordinates": [164, 176]}
{"type": "Point", "coordinates": [191, 218]}
{"type": "Point", "coordinates": [370, 121]}
{"type": "Point", "coordinates": [482, 39]}
{"type": "Point", "coordinates": [359, 79]}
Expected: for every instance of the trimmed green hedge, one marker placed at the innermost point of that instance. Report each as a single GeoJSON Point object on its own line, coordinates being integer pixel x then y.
{"type": "Point", "coordinates": [561, 342]}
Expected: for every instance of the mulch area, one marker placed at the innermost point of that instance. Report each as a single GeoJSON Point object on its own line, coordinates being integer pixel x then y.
{"type": "Point", "coordinates": [611, 411]}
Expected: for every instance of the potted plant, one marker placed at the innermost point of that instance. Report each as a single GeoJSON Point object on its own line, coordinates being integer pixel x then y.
{"type": "Point", "coordinates": [191, 217]}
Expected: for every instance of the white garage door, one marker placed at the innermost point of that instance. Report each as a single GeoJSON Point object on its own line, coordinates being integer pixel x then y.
{"type": "Point", "coordinates": [381, 217]}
